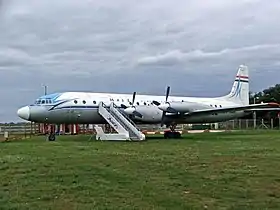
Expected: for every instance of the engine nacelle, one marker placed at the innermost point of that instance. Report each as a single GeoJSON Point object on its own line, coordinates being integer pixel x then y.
{"type": "Point", "coordinates": [182, 107]}
{"type": "Point", "coordinates": [145, 113]}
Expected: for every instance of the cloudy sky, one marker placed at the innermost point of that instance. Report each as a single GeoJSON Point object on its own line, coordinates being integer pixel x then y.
{"type": "Point", "coordinates": [194, 46]}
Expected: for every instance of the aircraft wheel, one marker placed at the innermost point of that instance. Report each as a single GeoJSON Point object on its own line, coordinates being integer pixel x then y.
{"type": "Point", "coordinates": [172, 135]}
{"type": "Point", "coordinates": [166, 134]}
{"type": "Point", "coordinates": [177, 135]}
{"type": "Point", "coordinates": [51, 137]}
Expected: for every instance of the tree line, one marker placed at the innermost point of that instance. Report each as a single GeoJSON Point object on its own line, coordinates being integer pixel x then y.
{"type": "Point", "coordinates": [271, 94]}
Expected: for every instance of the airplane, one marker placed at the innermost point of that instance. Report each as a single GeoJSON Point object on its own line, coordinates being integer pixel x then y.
{"type": "Point", "coordinates": [82, 107]}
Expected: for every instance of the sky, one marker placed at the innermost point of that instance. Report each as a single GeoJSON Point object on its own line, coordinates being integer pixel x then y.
{"type": "Point", "coordinates": [122, 46]}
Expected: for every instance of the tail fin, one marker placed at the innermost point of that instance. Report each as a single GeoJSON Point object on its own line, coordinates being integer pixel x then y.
{"type": "Point", "coordinates": [240, 90]}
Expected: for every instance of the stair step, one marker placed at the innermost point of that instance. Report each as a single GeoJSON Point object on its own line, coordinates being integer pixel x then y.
{"type": "Point", "coordinates": [120, 122]}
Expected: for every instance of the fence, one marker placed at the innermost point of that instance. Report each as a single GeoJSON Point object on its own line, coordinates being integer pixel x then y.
{"type": "Point", "coordinates": [20, 128]}
{"type": "Point", "coordinates": [241, 124]}
{"type": "Point", "coordinates": [247, 124]}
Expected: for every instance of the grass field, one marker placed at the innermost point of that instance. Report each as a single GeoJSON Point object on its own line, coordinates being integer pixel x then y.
{"type": "Point", "coordinates": [202, 171]}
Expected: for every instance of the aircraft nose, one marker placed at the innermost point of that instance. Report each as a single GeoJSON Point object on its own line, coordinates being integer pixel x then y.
{"type": "Point", "coordinates": [24, 113]}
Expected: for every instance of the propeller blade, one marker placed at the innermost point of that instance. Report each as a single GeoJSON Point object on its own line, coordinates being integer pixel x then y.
{"type": "Point", "coordinates": [123, 106]}
{"type": "Point", "coordinates": [164, 112]}
{"type": "Point", "coordinates": [135, 113]}
{"type": "Point", "coordinates": [131, 109]}
{"type": "Point", "coordinates": [167, 93]}
{"type": "Point", "coordinates": [162, 118]}
{"type": "Point", "coordinates": [133, 98]}
{"type": "Point", "coordinates": [156, 103]}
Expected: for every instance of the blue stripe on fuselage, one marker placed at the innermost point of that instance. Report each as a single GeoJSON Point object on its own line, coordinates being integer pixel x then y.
{"type": "Point", "coordinates": [59, 102]}
{"type": "Point", "coordinates": [78, 107]}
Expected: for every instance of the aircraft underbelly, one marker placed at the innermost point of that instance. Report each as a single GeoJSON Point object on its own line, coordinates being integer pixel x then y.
{"type": "Point", "coordinates": [209, 118]}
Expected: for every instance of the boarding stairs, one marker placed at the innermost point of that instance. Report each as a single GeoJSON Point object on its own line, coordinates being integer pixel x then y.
{"type": "Point", "coordinates": [125, 127]}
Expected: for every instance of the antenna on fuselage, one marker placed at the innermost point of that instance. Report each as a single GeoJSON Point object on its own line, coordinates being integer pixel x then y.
{"type": "Point", "coordinates": [45, 89]}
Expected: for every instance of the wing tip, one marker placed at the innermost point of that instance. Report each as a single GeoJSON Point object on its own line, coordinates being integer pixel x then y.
{"type": "Point", "coordinates": [273, 104]}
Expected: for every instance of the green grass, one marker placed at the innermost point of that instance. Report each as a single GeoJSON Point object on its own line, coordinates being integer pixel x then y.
{"type": "Point", "coordinates": [239, 170]}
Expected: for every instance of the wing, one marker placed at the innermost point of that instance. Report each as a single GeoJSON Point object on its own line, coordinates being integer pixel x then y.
{"type": "Point", "coordinates": [247, 108]}
{"type": "Point", "coordinates": [265, 109]}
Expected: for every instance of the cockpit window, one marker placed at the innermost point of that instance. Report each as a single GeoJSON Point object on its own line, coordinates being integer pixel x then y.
{"type": "Point", "coordinates": [43, 101]}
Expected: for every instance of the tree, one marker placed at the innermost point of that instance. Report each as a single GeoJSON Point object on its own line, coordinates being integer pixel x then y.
{"type": "Point", "coordinates": [271, 94]}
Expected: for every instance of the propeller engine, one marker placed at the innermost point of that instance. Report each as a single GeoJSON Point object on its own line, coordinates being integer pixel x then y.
{"type": "Point", "coordinates": [177, 107]}
{"type": "Point", "coordinates": [132, 110]}
{"type": "Point", "coordinates": [163, 107]}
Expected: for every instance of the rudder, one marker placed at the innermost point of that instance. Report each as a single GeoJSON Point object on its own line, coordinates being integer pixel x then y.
{"type": "Point", "coordinates": [240, 90]}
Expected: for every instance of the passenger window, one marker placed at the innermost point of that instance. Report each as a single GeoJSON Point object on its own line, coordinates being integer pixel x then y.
{"type": "Point", "coordinates": [84, 101]}
{"type": "Point", "coordinates": [75, 101]}
{"type": "Point", "coordinates": [43, 101]}
{"type": "Point", "coordinates": [94, 102]}
{"type": "Point", "coordinates": [137, 103]}
{"type": "Point", "coordinates": [145, 103]}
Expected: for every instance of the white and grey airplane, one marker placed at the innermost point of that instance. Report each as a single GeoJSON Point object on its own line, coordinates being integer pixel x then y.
{"type": "Point", "coordinates": [82, 107]}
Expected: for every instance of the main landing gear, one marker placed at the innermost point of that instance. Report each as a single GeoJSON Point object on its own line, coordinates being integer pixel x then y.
{"type": "Point", "coordinates": [172, 133]}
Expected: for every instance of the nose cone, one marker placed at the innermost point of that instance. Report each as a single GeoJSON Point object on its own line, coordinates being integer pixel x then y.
{"type": "Point", "coordinates": [163, 107]}
{"type": "Point", "coordinates": [24, 113]}
{"type": "Point", "coordinates": [129, 110]}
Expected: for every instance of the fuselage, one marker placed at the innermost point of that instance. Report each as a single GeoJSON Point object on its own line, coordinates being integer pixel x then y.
{"type": "Point", "coordinates": [82, 108]}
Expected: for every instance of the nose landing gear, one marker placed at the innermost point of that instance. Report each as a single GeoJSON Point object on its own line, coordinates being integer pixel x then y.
{"type": "Point", "coordinates": [51, 136]}
{"type": "Point", "coordinates": [51, 133]}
